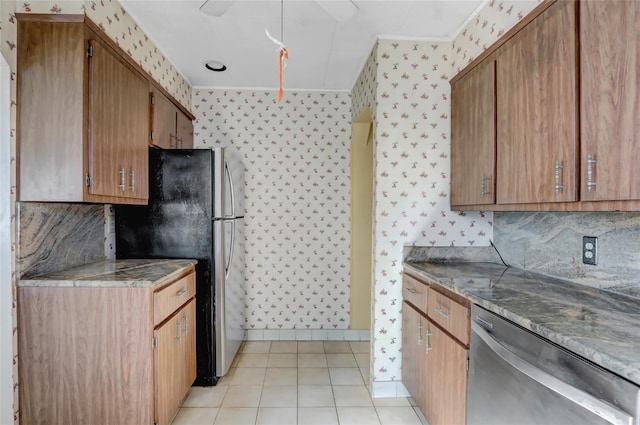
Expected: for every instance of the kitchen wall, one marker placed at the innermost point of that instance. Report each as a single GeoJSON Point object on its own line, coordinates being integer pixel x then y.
{"type": "Point", "coordinates": [480, 32]}
{"type": "Point", "coordinates": [53, 236]}
{"type": "Point", "coordinates": [405, 84]}
{"type": "Point", "coordinates": [551, 242]}
{"type": "Point", "coordinates": [296, 157]}
{"type": "Point", "coordinates": [409, 80]}
{"type": "Point", "coordinates": [53, 231]}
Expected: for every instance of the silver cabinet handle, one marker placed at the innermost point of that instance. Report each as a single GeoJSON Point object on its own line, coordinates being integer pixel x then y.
{"type": "Point", "coordinates": [132, 175]}
{"type": "Point", "coordinates": [559, 186]}
{"type": "Point", "coordinates": [484, 191]}
{"type": "Point", "coordinates": [427, 346]}
{"type": "Point", "coordinates": [419, 332]}
{"type": "Point", "coordinates": [571, 393]}
{"type": "Point", "coordinates": [413, 291]}
{"type": "Point", "coordinates": [439, 310]}
{"type": "Point", "coordinates": [173, 144]}
{"type": "Point", "coordinates": [179, 326]}
{"type": "Point", "coordinates": [122, 184]}
{"type": "Point", "coordinates": [181, 293]}
{"type": "Point", "coordinates": [590, 166]}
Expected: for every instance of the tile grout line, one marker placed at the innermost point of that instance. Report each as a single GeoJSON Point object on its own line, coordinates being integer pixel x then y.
{"type": "Point", "coordinates": [332, 384]}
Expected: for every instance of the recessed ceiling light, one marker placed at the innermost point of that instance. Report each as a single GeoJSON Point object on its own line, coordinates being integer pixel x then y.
{"type": "Point", "coordinates": [215, 66]}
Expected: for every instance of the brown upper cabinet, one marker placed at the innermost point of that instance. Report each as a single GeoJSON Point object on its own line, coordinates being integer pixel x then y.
{"type": "Point", "coordinates": [567, 112]}
{"type": "Point", "coordinates": [171, 128]}
{"type": "Point", "coordinates": [610, 100]}
{"type": "Point", "coordinates": [473, 137]}
{"type": "Point", "coordinates": [82, 115]}
{"type": "Point", "coordinates": [536, 93]}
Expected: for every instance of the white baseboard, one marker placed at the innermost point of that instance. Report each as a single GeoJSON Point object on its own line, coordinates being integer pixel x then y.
{"type": "Point", "coordinates": [307, 335]}
{"type": "Point", "coordinates": [385, 389]}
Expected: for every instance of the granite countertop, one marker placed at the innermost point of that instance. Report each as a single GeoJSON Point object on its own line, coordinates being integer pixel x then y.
{"type": "Point", "coordinates": [601, 326]}
{"type": "Point", "coordinates": [113, 274]}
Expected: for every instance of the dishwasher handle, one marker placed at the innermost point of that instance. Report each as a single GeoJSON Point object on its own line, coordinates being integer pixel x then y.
{"type": "Point", "coordinates": [581, 398]}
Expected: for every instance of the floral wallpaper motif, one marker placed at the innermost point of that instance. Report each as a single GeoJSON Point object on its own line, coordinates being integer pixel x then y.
{"type": "Point", "coordinates": [296, 156]}
{"type": "Point", "coordinates": [410, 81]}
{"type": "Point", "coordinates": [412, 178]}
{"type": "Point", "coordinates": [114, 20]}
{"type": "Point", "coordinates": [363, 93]}
{"type": "Point", "coordinates": [495, 19]}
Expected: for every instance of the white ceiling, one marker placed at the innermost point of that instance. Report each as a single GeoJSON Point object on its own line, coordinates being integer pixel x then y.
{"type": "Point", "coordinates": [324, 54]}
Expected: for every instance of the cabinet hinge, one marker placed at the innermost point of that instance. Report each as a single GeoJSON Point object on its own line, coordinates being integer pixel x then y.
{"type": "Point", "coordinates": [151, 132]}
{"type": "Point", "coordinates": [89, 50]}
{"type": "Point", "coordinates": [88, 180]}
{"type": "Point", "coordinates": [154, 342]}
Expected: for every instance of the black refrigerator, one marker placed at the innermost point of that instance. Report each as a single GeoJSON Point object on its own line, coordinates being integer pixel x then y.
{"type": "Point", "coordinates": [196, 210]}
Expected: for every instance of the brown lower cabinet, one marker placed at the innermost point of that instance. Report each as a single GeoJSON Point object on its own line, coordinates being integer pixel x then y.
{"type": "Point", "coordinates": [434, 361]}
{"type": "Point", "coordinates": [96, 355]}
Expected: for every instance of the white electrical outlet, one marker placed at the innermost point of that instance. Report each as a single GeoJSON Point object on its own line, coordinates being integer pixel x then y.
{"type": "Point", "coordinates": [590, 250]}
{"type": "Point", "coordinates": [111, 221]}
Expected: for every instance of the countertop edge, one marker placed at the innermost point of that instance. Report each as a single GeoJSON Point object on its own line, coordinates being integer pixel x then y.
{"type": "Point", "coordinates": [599, 358]}
{"type": "Point", "coordinates": [97, 280]}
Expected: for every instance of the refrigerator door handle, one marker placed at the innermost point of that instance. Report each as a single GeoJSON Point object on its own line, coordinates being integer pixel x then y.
{"type": "Point", "coordinates": [231, 244]}
{"type": "Point", "coordinates": [232, 190]}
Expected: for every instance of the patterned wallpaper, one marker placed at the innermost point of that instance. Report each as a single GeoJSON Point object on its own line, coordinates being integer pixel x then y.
{"type": "Point", "coordinates": [493, 20]}
{"type": "Point", "coordinates": [412, 177]}
{"type": "Point", "coordinates": [363, 93]}
{"type": "Point", "coordinates": [410, 84]}
{"type": "Point", "coordinates": [296, 157]}
{"type": "Point", "coordinates": [114, 20]}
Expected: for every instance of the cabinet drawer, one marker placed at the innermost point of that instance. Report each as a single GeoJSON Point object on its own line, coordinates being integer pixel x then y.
{"type": "Point", "coordinates": [450, 315]}
{"type": "Point", "coordinates": [170, 298]}
{"type": "Point", "coordinates": [414, 292]}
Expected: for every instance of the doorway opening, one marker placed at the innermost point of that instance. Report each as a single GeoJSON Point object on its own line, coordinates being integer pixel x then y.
{"type": "Point", "coordinates": [362, 209]}
{"type": "Point", "coordinates": [6, 292]}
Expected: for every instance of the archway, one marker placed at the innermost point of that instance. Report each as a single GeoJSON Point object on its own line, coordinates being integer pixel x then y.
{"type": "Point", "coordinates": [362, 210]}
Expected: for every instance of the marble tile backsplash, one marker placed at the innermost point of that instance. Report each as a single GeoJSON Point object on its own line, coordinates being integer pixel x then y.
{"type": "Point", "coordinates": [551, 243]}
{"type": "Point", "coordinates": [54, 236]}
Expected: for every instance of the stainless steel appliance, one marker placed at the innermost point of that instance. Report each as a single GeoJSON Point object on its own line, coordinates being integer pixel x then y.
{"type": "Point", "coordinates": [516, 377]}
{"type": "Point", "coordinates": [196, 210]}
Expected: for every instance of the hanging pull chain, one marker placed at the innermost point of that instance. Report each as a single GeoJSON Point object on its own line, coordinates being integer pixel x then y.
{"type": "Point", "coordinates": [284, 54]}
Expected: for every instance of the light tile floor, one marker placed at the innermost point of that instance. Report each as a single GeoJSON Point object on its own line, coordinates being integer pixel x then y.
{"type": "Point", "coordinates": [297, 383]}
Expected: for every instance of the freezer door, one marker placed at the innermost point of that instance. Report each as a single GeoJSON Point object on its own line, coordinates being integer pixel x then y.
{"type": "Point", "coordinates": [228, 172]}
{"type": "Point", "coordinates": [229, 291]}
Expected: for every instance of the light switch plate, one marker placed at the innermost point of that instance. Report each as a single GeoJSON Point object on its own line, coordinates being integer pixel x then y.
{"type": "Point", "coordinates": [590, 250]}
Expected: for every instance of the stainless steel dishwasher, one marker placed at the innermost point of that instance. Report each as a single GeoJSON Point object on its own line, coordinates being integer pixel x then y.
{"type": "Point", "coordinates": [518, 378]}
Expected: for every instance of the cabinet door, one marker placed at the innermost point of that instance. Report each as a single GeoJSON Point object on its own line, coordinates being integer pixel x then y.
{"type": "Point", "coordinates": [118, 115]}
{"type": "Point", "coordinates": [163, 121]}
{"type": "Point", "coordinates": [473, 137]}
{"type": "Point", "coordinates": [610, 99]}
{"type": "Point", "coordinates": [189, 346]}
{"type": "Point", "coordinates": [537, 110]}
{"type": "Point", "coordinates": [446, 389]}
{"type": "Point", "coordinates": [170, 363]}
{"type": "Point", "coordinates": [414, 352]}
{"type": "Point", "coordinates": [410, 337]}
{"type": "Point", "coordinates": [184, 130]}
